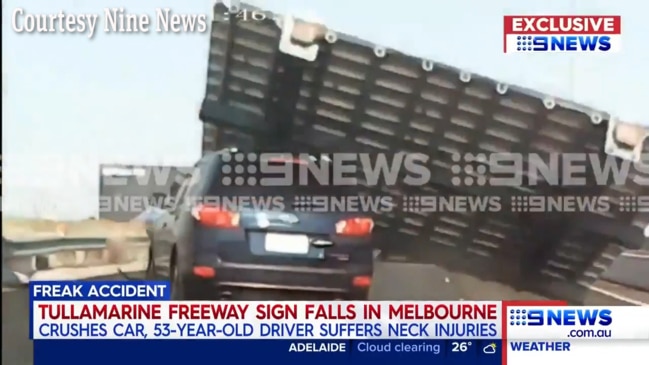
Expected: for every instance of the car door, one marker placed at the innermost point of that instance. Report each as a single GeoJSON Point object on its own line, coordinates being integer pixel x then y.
{"type": "Point", "coordinates": [164, 229]}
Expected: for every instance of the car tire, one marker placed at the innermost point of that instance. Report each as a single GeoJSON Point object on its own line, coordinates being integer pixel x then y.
{"type": "Point", "coordinates": [150, 273]}
{"type": "Point", "coordinates": [365, 295]}
{"type": "Point", "coordinates": [177, 287]}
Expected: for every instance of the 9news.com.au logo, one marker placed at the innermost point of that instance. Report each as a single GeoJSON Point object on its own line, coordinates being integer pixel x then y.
{"type": "Point", "coordinates": [560, 317]}
{"type": "Point", "coordinates": [565, 317]}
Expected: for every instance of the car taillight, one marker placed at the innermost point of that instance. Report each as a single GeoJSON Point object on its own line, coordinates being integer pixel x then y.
{"type": "Point", "coordinates": [355, 227]}
{"type": "Point", "coordinates": [205, 272]}
{"type": "Point", "coordinates": [362, 281]}
{"type": "Point", "coordinates": [216, 217]}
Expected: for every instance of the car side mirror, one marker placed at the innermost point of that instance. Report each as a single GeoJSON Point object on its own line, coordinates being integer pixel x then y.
{"type": "Point", "coordinates": [173, 190]}
{"type": "Point", "coordinates": [158, 200]}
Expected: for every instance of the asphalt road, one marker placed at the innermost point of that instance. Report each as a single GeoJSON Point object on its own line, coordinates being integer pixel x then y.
{"type": "Point", "coordinates": [632, 270]}
{"type": "Point", "coordinates": [393, 281]}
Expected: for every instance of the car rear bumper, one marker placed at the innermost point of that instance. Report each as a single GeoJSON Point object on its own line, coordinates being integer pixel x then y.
{"type": "Point", "coordinates": [239, 281]}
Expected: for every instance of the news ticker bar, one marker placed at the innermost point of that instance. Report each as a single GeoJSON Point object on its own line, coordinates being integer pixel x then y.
{"type": "Point", "coordinates": [69, 310]}
{"type": "Point", "coordinates": [314, 352]}
{"type": "Point", "coordinates": [211, 329]}
{"type": "Point", "coordinates": [475, 352]}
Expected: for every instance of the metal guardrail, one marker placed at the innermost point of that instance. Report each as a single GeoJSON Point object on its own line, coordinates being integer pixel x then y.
{"type": "Point", "coordinates": [22, 258]}
{"type": "Point", "coordinates": [47, 246]}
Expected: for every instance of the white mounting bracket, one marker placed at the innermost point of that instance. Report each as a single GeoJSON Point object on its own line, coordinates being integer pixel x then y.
{"type": "Point", "coordinates": [309, 53]}
{"type": "Point", "coordinates": [611, 147]}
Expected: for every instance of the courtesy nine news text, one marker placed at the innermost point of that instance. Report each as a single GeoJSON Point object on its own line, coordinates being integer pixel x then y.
{"type": "Point", "coordinates": [450, 332]}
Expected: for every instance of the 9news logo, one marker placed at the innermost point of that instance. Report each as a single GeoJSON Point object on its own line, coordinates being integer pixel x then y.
{"type": "Point", "coordinates": [560, 317]}
{"type": "Point", "coordinates": [518, 317]}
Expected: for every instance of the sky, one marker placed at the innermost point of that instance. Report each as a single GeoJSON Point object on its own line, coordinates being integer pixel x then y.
{"type": "Point", "coordinates": [71, 103]}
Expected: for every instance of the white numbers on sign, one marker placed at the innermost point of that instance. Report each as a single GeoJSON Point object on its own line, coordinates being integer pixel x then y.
{"type": "Point", "coordinates": [246, 15]}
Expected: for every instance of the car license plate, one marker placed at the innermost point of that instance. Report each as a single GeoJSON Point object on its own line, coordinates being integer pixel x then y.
{"type": "Point", "coordinates": [287, 243]}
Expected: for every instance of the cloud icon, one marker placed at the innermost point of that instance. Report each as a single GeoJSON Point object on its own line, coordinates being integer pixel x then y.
{"type": "Point", "coordinates": [489, 349]}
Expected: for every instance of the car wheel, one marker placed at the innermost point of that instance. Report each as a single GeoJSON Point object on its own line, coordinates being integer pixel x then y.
{"type": "Point", "coordinates": [177, 288]}
{"type": "Point", "coordinates": [361, 295]}
{"type": "Point", "coordinates": [150, 267]}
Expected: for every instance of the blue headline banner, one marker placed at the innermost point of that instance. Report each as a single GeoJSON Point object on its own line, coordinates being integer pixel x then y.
{"type": "Point", "coordinates": [286, 352]}
{"type": "Point", "coordinates": [99, 290]}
